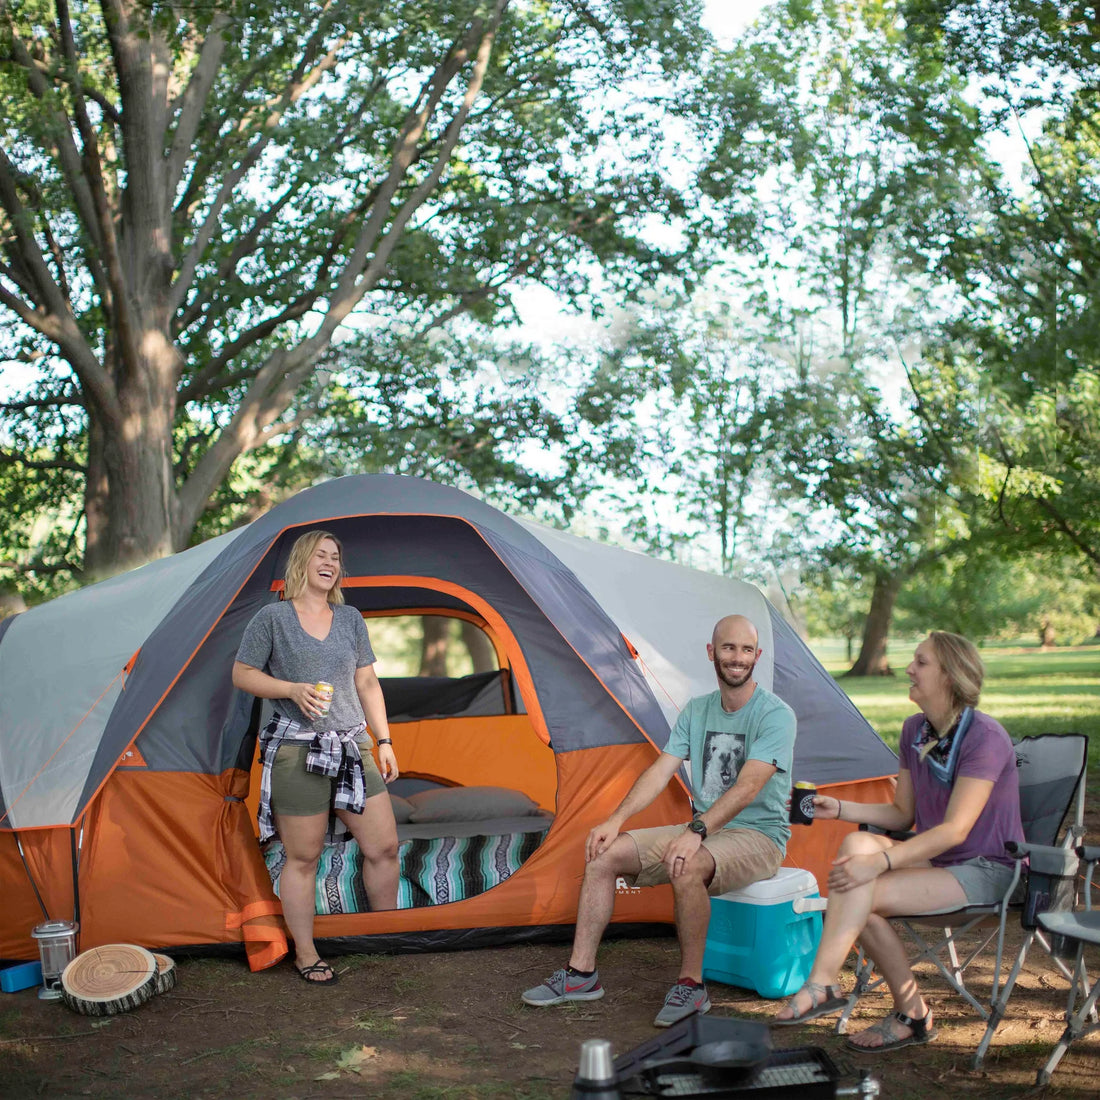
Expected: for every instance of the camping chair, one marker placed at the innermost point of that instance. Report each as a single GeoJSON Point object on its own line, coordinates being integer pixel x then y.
{"type": "Point", "coordinates": [1081, 927]}
{"type": "Point", "coordinates": [1051, 770]}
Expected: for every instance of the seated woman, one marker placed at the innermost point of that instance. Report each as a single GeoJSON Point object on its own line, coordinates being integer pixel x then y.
{"type": "Point", "coordinates": [957, 785]}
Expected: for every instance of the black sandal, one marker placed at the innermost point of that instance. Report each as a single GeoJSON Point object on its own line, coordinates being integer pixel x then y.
{"type": "Point", "coordinates": [319, 967]}
{"type": "Point", "coordinates": [920, 1032]}
{"type": "Point", "coordinates": [834, 1002]}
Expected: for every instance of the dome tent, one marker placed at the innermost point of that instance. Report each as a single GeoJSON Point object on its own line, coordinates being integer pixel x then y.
{"type": "Point", "coordinates": [126, 756]}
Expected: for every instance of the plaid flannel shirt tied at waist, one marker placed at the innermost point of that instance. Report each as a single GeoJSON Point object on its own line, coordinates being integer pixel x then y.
{"type": "Point", "coordinates": [334, 753]}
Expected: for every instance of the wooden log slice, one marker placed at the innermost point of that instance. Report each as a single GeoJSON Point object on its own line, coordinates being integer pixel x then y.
{"type": "Point", "coordinates": [166, 973]}
{"type": "Point", "coordinates": [107, 980]}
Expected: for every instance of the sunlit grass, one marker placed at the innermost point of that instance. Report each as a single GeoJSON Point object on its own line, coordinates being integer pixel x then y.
{"type": "Point", "coordinates": [1027, 691]}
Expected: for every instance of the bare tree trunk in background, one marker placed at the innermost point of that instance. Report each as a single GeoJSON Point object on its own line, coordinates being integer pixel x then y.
{"type": "Point", "coordinates": [479, 647]}
{"type": "Point", "coordinates": [11, 603]}
{"type": "Point", "coordinates": [876, 630]}
{"type": "Point", "coordinates": [1046, 634]}
{"type": "Point", "coordinates": [433, 649]}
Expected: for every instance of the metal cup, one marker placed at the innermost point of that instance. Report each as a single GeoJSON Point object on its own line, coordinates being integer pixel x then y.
{"type": "Point", "coordinates": [802, 803]}
{"type": "Point", "coordinates": [595, 1078]}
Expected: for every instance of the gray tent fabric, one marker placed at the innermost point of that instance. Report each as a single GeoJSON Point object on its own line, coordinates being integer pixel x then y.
{"type": "Point", "coordinates": [666, 611]}
{"type": "Point", "coordinates": [61, 675]}
{"type": "Point", "coordinates": [68, 711]}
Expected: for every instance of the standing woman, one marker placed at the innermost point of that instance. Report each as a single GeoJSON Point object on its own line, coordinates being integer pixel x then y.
{"type": "Point", "coordinates": [311, 759]}
{"type": "Point", "coordinates": [957, 785]}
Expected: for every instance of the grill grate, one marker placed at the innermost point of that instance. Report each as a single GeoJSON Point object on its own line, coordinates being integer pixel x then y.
{"type": "Point", "coordinates": [805, 1073]}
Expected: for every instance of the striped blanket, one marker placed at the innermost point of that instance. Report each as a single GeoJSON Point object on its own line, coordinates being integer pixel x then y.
{"type": "Point", "coordinates": [433, 871]}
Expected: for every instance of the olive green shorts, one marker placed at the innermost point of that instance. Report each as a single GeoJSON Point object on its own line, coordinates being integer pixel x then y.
{"type": "Point", "coordinates": [298, 793]}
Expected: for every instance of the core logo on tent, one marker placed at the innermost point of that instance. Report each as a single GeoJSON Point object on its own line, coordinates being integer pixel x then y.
{"type": "Point", "coordinates": [624, 887]}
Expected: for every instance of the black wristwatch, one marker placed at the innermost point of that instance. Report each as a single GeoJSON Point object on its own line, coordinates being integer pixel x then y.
{"type": "Point", "coordinates": [697, 825]}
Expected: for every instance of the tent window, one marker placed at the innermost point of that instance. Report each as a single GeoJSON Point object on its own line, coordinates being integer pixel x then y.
{"type": "Point", "coordinates": [430, 645]}
{"type": "Point", "coordinates": [434, 666]}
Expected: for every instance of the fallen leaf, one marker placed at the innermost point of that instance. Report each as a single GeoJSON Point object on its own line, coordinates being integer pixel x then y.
{"type": "Point", "coordinates": [327, 1076]}
{"type": "Point", "coordinates": [354, 1057]}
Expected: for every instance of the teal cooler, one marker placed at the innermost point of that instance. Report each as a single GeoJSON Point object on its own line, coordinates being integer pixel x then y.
{"type": "Point", "coordinates": [757, 940]}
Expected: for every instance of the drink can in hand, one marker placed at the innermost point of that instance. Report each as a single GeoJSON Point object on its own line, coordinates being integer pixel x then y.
{"type": "Point", "coordinates": [802, 803]}
{"type": "Point", "coordinates": [325, 689]}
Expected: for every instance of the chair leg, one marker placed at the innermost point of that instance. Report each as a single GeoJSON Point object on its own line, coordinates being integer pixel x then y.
{"type": "Point", "coordinates": [953, 955]}
{"type": "Point", "coordinates": [999, 1003]}
{"type": "Point", "coordinates": [1076, 1025]}
{"type": "Point", "coordinates": [864, 968]}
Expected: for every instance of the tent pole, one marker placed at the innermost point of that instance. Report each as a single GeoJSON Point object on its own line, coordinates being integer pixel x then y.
{"type": "Point", "coordinates": [30, 877]}
{"type": "Point", "coordinates": [74, 849]}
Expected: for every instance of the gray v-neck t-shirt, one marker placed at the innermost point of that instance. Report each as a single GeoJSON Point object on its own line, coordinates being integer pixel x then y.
{"type": "Point", "coordinates": [275, 642]}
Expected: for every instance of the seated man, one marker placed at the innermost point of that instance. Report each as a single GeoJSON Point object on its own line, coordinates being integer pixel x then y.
{"type": "Point", "coordinates": [740, 740]}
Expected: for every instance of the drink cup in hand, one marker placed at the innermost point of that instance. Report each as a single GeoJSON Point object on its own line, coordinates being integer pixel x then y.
{"type": "Point", "coordinates": [802, 803]}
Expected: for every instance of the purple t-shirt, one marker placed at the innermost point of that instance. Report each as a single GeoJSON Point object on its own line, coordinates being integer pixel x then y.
{"type": "Point", "coordinates": [986, 753]}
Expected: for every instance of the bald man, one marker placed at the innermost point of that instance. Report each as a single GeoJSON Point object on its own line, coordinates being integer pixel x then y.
{"type": "Point", "coordinates": [740, 741]}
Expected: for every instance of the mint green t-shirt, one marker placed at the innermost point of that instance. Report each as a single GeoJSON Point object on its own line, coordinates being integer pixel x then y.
{"type": "Point", "coordinates": [717, 743]}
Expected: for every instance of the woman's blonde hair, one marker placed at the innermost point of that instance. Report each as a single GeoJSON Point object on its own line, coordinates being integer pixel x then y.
{"type": "Point", "coordinates": [297, 566]}
{"type": "Point", "coordinates": [962, 665]}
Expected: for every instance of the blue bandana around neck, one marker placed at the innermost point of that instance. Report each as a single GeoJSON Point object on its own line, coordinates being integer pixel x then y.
{"type": "Point", "coordinates": [944, 758]}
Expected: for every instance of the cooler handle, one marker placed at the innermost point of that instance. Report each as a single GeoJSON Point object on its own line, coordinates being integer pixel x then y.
{"type": "Point", "coordinates": [810, 905]}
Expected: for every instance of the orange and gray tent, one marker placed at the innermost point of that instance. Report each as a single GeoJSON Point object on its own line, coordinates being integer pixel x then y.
{"type": "Point", "coordinates": [127, 759]}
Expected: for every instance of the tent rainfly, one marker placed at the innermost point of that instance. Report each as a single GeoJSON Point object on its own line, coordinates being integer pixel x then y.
{"type": "Point", "coordinates": [127, 760]}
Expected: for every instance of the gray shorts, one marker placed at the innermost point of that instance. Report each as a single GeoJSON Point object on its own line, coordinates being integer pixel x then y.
{"type": "Point", "coordinates": [984, 881]}
{"type": "Point", "coordinates": [741, 856]}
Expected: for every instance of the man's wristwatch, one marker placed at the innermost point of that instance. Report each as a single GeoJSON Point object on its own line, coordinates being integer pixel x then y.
{"type": "Point", "coordinates": [697, 825]}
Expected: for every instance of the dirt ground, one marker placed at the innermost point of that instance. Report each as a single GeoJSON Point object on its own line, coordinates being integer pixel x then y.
{"type": "Point", "coordinates": [451, 1025]}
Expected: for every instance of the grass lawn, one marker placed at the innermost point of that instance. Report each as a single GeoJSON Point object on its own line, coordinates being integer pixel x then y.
{"type": "Point", "coordinates": [1028, 691]}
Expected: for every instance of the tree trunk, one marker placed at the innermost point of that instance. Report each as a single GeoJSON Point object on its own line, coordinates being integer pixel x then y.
{"type": "Point", "coordinates": [130, 502]}
{"type": "Point", "coordinates": [11, 603]}
{"type": "Point", "coordinates": [872, 659]}
{"type": "Point", "coordinates": [479, 647]}
{"type": "Point", "coordinates": [1046, 634]}
{"type": "Point", "coordinates": [433, 649]}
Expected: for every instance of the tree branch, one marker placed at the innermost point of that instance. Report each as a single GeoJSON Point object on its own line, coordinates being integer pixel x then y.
{"type": "Point", "coordinates": [305, 76]}
{"type": "Point", "coordinates": [67, 153]}
{"type": "Point", "coordinates": [193, 102]}
{"type": "Point", "coordinates": [360, 275]}
{"type": "Point", "coordinates": [11, 458]}
{"type": "Point", "coordinates": [1062, 524]}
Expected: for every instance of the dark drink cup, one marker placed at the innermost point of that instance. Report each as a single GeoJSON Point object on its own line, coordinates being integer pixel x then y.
{"type": "Point", "coordinates": [802, 803]}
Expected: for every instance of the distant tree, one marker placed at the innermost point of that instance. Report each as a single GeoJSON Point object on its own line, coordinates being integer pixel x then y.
{"type": "Point", "coordinates": [810, 173]}
{"type": "Point", "coordinates": [1023, 251]}
{"type": "Point", "coordinates": [984, 594]}
{"type": "Point", "coordinates": [680, 405]}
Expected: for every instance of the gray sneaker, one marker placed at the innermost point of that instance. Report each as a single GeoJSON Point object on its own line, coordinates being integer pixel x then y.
{"type": "Point", "coordinates": [562, 986]}
{"type": "Point", "coordinates": [682, 1001]}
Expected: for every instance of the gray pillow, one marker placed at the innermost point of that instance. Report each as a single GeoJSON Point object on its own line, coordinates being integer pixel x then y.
{"type": "Point", "coordinates": [402, 809]}
{"type": "Point", "coordinates": [469, 804]}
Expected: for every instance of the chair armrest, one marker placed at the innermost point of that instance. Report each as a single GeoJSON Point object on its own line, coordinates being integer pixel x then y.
{"type": "Point", "coordinates": [1045, 859]}
{"type": "Point", "coordinates": [1088, 853]}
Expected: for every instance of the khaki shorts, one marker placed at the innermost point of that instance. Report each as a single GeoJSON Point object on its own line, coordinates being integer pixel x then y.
{"type": "Point", "coordinates": [298, 793]}
{"type": "Point", "coordinates": [741, 856]}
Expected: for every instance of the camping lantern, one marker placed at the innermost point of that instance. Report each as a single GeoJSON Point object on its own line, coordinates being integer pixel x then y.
{"type": "Point", "coordinates": [57, 947]}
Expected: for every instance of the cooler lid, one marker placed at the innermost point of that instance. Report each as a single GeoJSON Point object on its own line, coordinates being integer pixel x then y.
{"type": "Point", "coordinates": [787, 884]}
